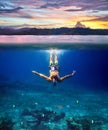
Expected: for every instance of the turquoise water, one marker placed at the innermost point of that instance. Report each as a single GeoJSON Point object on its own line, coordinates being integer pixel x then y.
{"type": "Point", "coordinates": [28, 102]}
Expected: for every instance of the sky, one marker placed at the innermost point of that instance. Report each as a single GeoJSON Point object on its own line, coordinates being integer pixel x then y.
{"type": "Point", "coordinates": [54, 13]}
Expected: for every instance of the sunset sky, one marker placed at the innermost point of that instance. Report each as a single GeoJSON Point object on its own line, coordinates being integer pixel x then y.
{"type": "Point", "coordinates": [54, 13]}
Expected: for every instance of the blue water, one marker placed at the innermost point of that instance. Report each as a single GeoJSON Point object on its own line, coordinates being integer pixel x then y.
{"type": "Point", "coordinates": [83, 96]}
{"type": "Point", "coordinates": [91, 66]}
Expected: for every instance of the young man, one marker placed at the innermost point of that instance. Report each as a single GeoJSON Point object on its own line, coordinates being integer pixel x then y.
{"type": "Point", "coordinates": [54, 71]}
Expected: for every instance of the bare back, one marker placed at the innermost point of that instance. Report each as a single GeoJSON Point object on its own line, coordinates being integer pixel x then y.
{"type": "Point", "coordinates": [54, 74]}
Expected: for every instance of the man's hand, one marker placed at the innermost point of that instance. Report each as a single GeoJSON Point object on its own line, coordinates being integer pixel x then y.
{"type": "Point", "coordinates": [74, 71]}
{"type": "Point", "coordinates": [33, 71]}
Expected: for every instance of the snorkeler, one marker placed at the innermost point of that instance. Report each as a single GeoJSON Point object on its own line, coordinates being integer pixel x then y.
{"type": "Point", "coordinates": [54, 71]}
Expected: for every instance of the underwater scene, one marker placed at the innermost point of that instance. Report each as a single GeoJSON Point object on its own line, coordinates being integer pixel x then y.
{"type": "Point", "coordinates": [75, 98]}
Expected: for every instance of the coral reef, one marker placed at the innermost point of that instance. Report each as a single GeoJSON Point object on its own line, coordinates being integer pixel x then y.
{"type": "Point", "coordinates": [78, 124]}
{"type": "Point", "coordinates": [6, 123]}
{"type": "Point", "coordinates": [44, 117]}
{"type": "Point", "coordinates": [48, 119]}
{"type": "Point", "coordinates": [86, 123]}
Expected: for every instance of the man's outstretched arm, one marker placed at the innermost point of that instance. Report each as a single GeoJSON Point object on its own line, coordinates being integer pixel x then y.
{"type": "Point", "coordinates": [67, 76]}
{"type": "Point", "coordinates": [41, 75]}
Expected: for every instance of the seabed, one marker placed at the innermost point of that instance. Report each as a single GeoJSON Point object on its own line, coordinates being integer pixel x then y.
{"type": "Point", "coordinates": [45, 107]}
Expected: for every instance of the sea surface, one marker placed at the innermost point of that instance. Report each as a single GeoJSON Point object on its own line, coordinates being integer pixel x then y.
{"type": "Point", "coordinates": [29, 102]}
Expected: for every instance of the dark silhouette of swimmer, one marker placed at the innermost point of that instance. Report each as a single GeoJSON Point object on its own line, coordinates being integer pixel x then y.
{"type": "Point", "coordinates": [54, 71]}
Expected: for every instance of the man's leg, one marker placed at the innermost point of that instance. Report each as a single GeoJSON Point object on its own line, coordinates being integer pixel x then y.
{"type": "Point", "coordinates": [55, 59]}
{"type": "Point", "coordinates": [51, 59]}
